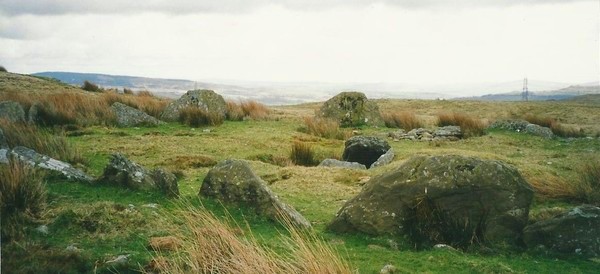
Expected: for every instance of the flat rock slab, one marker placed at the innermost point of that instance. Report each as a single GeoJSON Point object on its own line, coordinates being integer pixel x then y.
{"type": "Point", "coordinates": [341, 164]}
{"type": "Point", "coordinates": [35, 159]}
{"type": "Point", "coordinates": [234, 182]}
{"type": "Point", "coordinates": [384, 159]}
{"type": "Point", "coordinates": [131, 117]}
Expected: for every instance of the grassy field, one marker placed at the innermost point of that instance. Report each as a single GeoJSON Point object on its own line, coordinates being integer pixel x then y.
{"type": "Point", "coordinates": [105, 222]}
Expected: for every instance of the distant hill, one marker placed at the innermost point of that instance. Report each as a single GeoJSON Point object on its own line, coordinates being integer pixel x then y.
{"type": "Point", "coordinates": [558, 94]}
{"type": "Point", "coordinates": [593, 99]}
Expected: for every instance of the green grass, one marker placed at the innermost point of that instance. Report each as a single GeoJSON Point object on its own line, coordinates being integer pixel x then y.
{"type": "Point", "coordinates": [316, 192]}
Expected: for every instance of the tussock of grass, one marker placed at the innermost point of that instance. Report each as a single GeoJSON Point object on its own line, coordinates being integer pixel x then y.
{"type": "Point", "coordinates": [211, 245]}
{"type": "Point", "coordinates": [588, 187]}
{"type": "Point", "coordinates": [22, 197]}
{"type": "Point", "coordinates": [246, 109]}
{"type": "Point", "coordinates": [89, 86]}
{"type": "Point", "coordinates": [303, 154]}
{"type": "Point", "coordinates": [470, 126]}
{"type": "Point", "coordinates": [42, 141]}
{"type": "Point", "coordinates": [552, 187]}
{"type": "Point", "coordinates": [557, 128]}
{"type": "Point", "coordinates": [405, 120]}
{"type": "Point", "coordinates": [144, 101]}
{"type": "Point", "coordinates": [196, 117]}
{"type": "Point", "coordinates": [326, 128]}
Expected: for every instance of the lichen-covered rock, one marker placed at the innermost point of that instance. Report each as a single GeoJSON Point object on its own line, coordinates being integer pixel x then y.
{"type": "Point", "coordinates": [364, 150]}
{"type": "Point", "coordinates": [31, 157]}
{"type": "Point", "coordinates": [12, 111]}
{"type": "Point", "coordinates": [131, 117]}
{"type": "Point", "coordinates": [574, 232]}
{"type": "Point", "coordinates": [514, 125]}
{"type": "Point", "coordinates": [442, 199]}
{"type": "Point", "coordinates": [448, 132]}
{"type": "Point", "coordinates": [233, 181]}
{"type": "Point", "coordinates": [541, 131]}
{"type": "Point", "coordinates": [351, 109]}
{"type": "Point", "coordinates": [206, 100]}
{"type": "Point", "coordinates": [384, 159]}
{"type": "Point", "coordinates": [120, 171]}
{"type": "Point", "coordinates": [166, 182]}
{"type": "Point", "coordinates": [342, 164]}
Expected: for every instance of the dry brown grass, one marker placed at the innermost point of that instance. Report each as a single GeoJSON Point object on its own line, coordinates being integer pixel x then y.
{"type": "Point", "coordinates": [470, 126]}
{"type": "Point", "coordinates": [42, 141]}
{"type": "Point", "coordinates": [246, 109]}
{"type": "Point", "coordinates": [195, 117]}
{"type": "Point", "coordinates": [211, 245]}
{"type": "Point", "coordinates": [326, 128]}
{"type": "Point", "coordinates": [405, 120]}
{"type": "Point", "coordinates": [186, 161]}
{"type": "Point", "coordinates": [22, 198]}
{"type": "Point", "coordinates": [144, 101]}
{"type": "Point", "coordinates": [587, 188]}
{"type": "Point", "coordinates": [557, 128]}
{"type": "Point", "coordinates": [548, 186]}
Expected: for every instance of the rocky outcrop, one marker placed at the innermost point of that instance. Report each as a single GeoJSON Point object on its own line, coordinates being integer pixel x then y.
{"type": "Point", "coordinates": [206, 100]}
{"type": "Point", "coordinates": [442, 199]}
{"type": "Point", "coordinates": [341, 164]}
{"type": "Point", "coordinates": [35, 159]}
{"type": "Point", "coordinates": [234, 182]}
{"type": "Point", "coordinates": [120, 171]}
{"type": "Point", "coordinates": [131, 117]}
{"type": "Point", "coordinates": [351, 109]}
{"type": "Point", "coordinates": [384, 159]}
{"type": "Point", "coordinates": [574, 232]}
{"type": "Point", "coordinates": [12, 111]}
{"type": "Point", "coordinates": [523, 126]}
{"type": "Point", "coordinates": [364, 150]}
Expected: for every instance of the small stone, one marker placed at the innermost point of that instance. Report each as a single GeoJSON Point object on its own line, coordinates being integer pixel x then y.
{"type": "Point", "coordinates": [151, 205]}
{"type": "Point", "coordinates": [72, 249]}
{"type": "Point", "coordinates": [43, 229]}
{"type": "Point", "coordinates": [444, 246]}
{"type": "Point", "coordinates": [120, 260]}
{"type": "Point", "coordinates": [388, 269]}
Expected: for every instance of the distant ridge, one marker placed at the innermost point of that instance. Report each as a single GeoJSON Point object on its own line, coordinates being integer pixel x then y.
{"type": "Point", "coordinates": [559, 94]}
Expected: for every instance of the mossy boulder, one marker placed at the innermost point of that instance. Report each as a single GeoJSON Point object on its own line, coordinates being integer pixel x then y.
{"type": "Point", "coordinates": [576, 232]}
{"type": "Point", "coordinates": [453, 200]}
{"type": "Point", "coordinates": [351, 109]}
{"type": "Point", "coordinates": [206, 100]}
{"type": "Point", "coordinates": [12, 111]}
{"type": "Point", "coordinates": [234, 182]}
{"type": "Point", "coordinates": [131, 117]}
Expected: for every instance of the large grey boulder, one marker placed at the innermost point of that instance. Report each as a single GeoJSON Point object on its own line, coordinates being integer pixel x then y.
{"type": "Point", "coordinates": [31, 157]}
{"type": "Point", "coordinates": [574, 232]}
{"type": "Point", "coordinates": [206, 100]}
{"type": "Point", "coordinates": [351, 109]}
{"type": "Point", "coordinates": [454, 200]}
{"type": "Point", "coordinates": [120, 171]}
{"type": "Point", "coordinates": [341, 164]}
{"type": "Point", "coordinates": [448, 133]}
{"type": "Point", "coordinates": [12, 111]}
{"type": "Point", "coordinates": [131, 117]}
{"type": "Point", "coordinates": [541, 131]}
{"type": "Point", "coordinates": [234, 182]}
{"type": "Point", "coordinates": [364, 150]}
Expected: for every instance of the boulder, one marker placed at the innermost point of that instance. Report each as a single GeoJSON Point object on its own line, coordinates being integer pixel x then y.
{"type": "Point", "coordinates": [364, 150]}
{"type": "Point", "coordinates": [166, 182]}
{"type": "Point", "coordinates": [351, 109]}
{"type": "Point", "coordinates": [513, 125]}
{"type": "Point", "coordinates": [442, 199]}
{"type": "Point", "coordinates": [34, 113]}
{"type": "Point", "coordinates": [574, 232]}
{"type": "Point", "coordinates": [31, 157]}
{"type": "Point", "coordinates": [12, 111]}
{"type": "Point", "coordinates": [541, 131]}
{"type": "Point", "coordinates": [3, 142]}
{"type": "Point", "coordinates": [384, 159]}
{"type": "Point", "coordinates": [131, 117]}
{"type": "Point", "coordinates": [234, 182]}
{"type": "Point", "coordinates": [120, 171]}
{"type": "Point", "coordinates": [207, 100]}
{"type": "Point", "coordinates": [342, 164]}
{"type": "Point", "coordinates": [448, 132]}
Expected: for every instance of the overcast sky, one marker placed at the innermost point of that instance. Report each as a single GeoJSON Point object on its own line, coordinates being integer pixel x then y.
{"type": "Point", "coordinates": [402, 41]}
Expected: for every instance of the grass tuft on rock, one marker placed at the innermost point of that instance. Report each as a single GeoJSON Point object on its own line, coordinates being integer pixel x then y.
{"type": "Point", "coordinates": [303, 154]}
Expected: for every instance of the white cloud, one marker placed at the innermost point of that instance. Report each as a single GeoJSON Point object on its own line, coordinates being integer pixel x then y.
{"type": "Point", "coordinates": [557, 42]}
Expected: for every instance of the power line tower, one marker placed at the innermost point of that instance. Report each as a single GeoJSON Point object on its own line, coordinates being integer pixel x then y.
{"type": "Point", "coordinates": [525, 93]}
